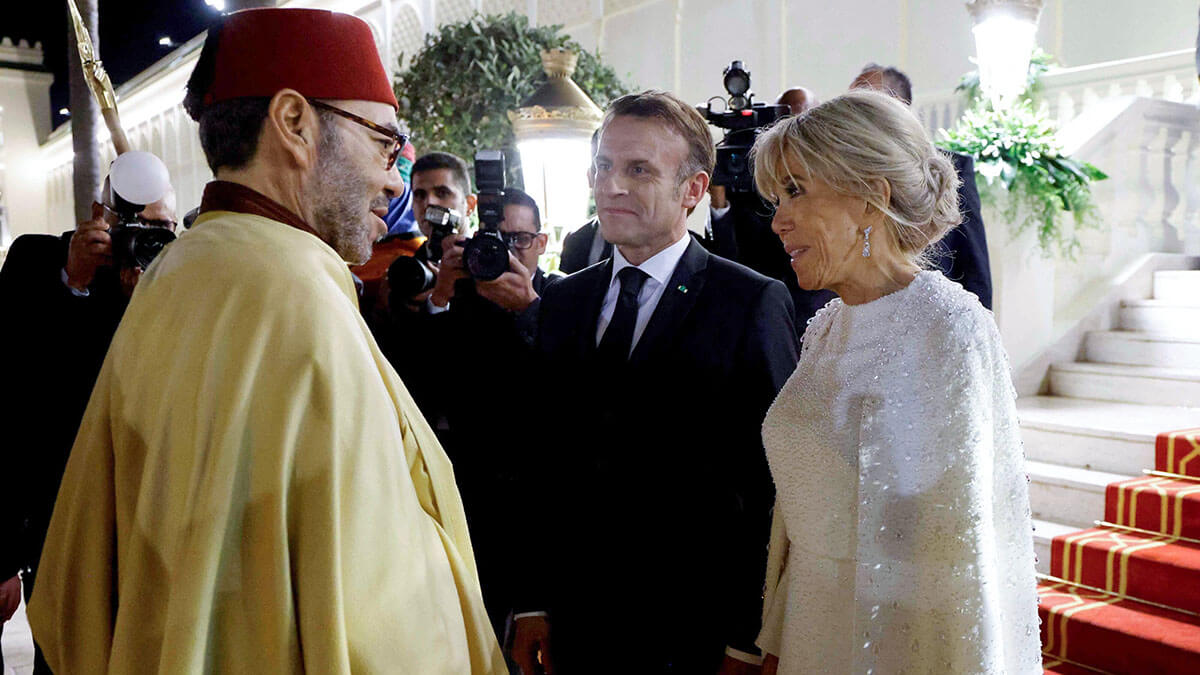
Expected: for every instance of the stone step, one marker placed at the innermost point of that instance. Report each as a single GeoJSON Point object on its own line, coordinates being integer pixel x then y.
{"type": "Point", "coordinates": [1044, 532]}
{"type": "Point", "coordinates": [1067, 495]}
{"type": "Point", "coordinates": [1135, 348]}
{"type": "Point", "coordinates": [1144, 385]}
{"type": "Point", "coordinates": [1098, 435]}
{"type": "Point", "coordinates": [1160, 316]}
{"type": "Point", "coordinates": [1181, 286]}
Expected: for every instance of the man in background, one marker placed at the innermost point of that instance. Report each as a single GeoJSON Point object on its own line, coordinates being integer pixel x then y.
{"type": "Point", "coordinates": [585, 246]}
{"type": "Point", "coordinates": [63, 299]}
{"type": "Point", "coordinates": [493, 382]}
{"type": "Point", "coordinates": [797, 99]}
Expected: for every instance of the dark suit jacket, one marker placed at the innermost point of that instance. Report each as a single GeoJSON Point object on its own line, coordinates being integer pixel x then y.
{"type": "Point", "coordinates": [654, 484]}
{"type": "Point", "coordinates": [578, 245]}
{"type": "Point", "coordinates": [962, 255]}
{"type": "Point", "coordinates": [53, 344]}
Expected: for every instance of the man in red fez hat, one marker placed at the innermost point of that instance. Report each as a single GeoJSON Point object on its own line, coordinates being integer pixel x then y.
{"type": "Point", "coordinates": [252, 487]}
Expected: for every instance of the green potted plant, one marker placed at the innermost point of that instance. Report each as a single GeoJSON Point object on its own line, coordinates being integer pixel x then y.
{"type": "Point", "coordinates": [458, 89]}
{"type": "Point", "coordinates": [1023, 170]}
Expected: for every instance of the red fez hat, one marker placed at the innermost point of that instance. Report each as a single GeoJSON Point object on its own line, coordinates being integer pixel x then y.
{"type": "Point", "coordinates": [319, 53]}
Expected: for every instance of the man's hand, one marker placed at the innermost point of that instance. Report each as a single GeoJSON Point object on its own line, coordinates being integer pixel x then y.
{"type": "Point", "coordinates": [770, 664]}
{"type": "Point", "coordinates": [90, 248]}
{"type": "Point", "coordinates": [512, 290]}
{"type": "Point", "coordinates": [531, 646]}
{"type": "Point", "coordinates": [10, 598]}
{"type": "Point", "coordinates": [129, 279]}
{"type": "Point", "coordinates": [450, 270]}
{"type": "Point", "coordinates": [732, 666]}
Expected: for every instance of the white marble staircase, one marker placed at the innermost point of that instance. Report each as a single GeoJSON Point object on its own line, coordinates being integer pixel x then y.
{"type": "Point", "coordinates": [1099, 421]}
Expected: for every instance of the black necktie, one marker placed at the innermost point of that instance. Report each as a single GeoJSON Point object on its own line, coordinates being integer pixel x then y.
{"type": "Point", "coordinates": [618, 337]}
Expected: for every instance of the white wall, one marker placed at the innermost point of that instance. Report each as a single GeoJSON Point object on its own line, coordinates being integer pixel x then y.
{"type": "Point", "coordinates": [678, 45]}
{"type": "Point", "coordinates": [24, 123]}
{"type": "Point", "coordinates": [823, 45]}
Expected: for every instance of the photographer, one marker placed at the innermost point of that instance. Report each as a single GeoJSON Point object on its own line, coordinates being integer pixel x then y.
{"type": "Point", "coordinates": [489, 328]}
{"type": "Point", "coordinates": [408, 327]}
{"type": "Point", "coordinates": [740, 220]}
{"type": "Point", "coordinates": [518, 289]}
{"type": "Point", "coordinates": [63, 297]}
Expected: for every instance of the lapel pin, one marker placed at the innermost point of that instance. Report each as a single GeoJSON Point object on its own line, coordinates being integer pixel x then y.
{"type": "Point", "coordinates": [682, 288]}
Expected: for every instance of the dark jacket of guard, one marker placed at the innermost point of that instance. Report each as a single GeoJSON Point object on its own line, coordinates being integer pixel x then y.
{"type": "Point", "coordinates": [650, 486]}
{"type": "Point", "coordinates": [53, 344]}
{"type": "Point", "coordinates": [577, 248]}
{"type": "Point", "coordinates": [962, 255]}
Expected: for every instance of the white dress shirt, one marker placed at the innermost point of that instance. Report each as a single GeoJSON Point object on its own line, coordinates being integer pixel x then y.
{"type": "Point", "coordinates": [659, 268]}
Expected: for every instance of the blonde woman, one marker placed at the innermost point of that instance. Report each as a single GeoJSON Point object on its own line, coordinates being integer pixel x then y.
{"type": "Point", "coordinates": [902, 540]}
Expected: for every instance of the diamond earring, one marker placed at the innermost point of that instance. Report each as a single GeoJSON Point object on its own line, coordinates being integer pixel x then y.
{"type": "Point", "coordinates": [867, 243]}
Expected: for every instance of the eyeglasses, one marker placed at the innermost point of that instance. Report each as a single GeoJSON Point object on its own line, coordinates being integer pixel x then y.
{"type": "Point", "coordinates": [399, 139]}
{"type": "Point", "coordinates": [520, 240]}
{"type": "Point", "coordinates": [145, 222]}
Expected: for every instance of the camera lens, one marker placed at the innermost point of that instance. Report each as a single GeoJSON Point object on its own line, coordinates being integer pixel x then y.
{"type": "Point", "coordinates": [737, 80]}
{"type": "Point", "coordinates": [408, 277]}
{"type": "Point", "coordinates": [146, 243]}
{"type": "Point", "coordinates": [486, 256]}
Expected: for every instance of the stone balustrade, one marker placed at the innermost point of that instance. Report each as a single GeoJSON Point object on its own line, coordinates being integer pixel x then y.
{"type": "Point", "coordinates": [1069, 92]}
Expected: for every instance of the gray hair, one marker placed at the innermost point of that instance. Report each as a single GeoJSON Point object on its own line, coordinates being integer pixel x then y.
{"type": "Point", "coordinates": [855, 141]}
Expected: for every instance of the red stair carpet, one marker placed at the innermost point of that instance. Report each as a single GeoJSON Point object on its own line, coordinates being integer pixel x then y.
{"type": "Point", "coordinates": [1124, 597]}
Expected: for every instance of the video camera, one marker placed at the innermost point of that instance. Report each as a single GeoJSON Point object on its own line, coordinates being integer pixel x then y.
{"type": "Point", "coordinates": [136, 179]}
{"type": "Point", "coordinates": [743, 120]}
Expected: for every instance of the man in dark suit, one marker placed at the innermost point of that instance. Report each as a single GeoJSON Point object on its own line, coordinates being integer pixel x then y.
{"type": "Point", "coordinates": [584, 247]}
{"type": "Point", "coordinates": [650, 492]}
{"type": "Point", "coordinates": [962, 255]}
{"type": "Point", "coordinates": [61, 301]}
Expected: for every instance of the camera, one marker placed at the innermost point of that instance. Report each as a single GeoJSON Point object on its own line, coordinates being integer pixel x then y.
{"type": "Point", "coordinates": [136, 179]}
{"type": "Point", "coordinates": [408, 276]}
{"type": "Point", "coordinates": [743, 120]}
{"type": "Point", "coordinates": [442, 223]}
{"type": "Point", "coordinates": [486, 254]}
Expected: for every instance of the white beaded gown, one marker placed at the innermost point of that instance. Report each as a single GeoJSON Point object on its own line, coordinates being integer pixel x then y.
{"type": "Point", "coordinates": [902, 540]}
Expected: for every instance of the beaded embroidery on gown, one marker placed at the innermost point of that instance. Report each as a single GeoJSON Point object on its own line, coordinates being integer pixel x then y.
{"type": "Point", "coordinates": [902, 540]}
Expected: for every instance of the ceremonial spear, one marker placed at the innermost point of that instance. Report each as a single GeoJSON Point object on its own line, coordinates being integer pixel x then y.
{"type": "Point", "coordinates": [98, 81]}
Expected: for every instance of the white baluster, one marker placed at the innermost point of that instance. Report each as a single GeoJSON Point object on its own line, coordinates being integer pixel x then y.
{"type": "Point", "coordinates": [1189, 221]}
{"type": "Point", "coordinates": [1172, 88]}
{"type": "Point", "coordinates": [1066, 108]}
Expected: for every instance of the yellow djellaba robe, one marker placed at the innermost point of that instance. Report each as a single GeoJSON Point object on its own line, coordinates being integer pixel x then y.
{"type": "Point", "coordinates": [252, 488]}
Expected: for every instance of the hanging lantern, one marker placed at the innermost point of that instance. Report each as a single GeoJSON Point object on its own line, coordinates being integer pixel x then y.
{"type": "Point", "coordinates": [554, 129]}
{"type": "Point", "coordinates": [1005, 35]}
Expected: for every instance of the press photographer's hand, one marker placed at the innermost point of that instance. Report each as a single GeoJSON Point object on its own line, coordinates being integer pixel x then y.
{"type": "Point", "coordinates": [512, 290]}
{"type": "Point", "coordinates": [91, 248]}
{"type": "Point", "coordinates": [451, 269]}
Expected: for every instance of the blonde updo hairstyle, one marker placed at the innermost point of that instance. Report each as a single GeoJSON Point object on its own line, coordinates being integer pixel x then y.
{"type": "Point", "coordinates": [852, 143]}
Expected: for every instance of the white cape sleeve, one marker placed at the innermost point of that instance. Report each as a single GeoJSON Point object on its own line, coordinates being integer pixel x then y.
{"type": "Point", "coordinates": [945, 576]}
